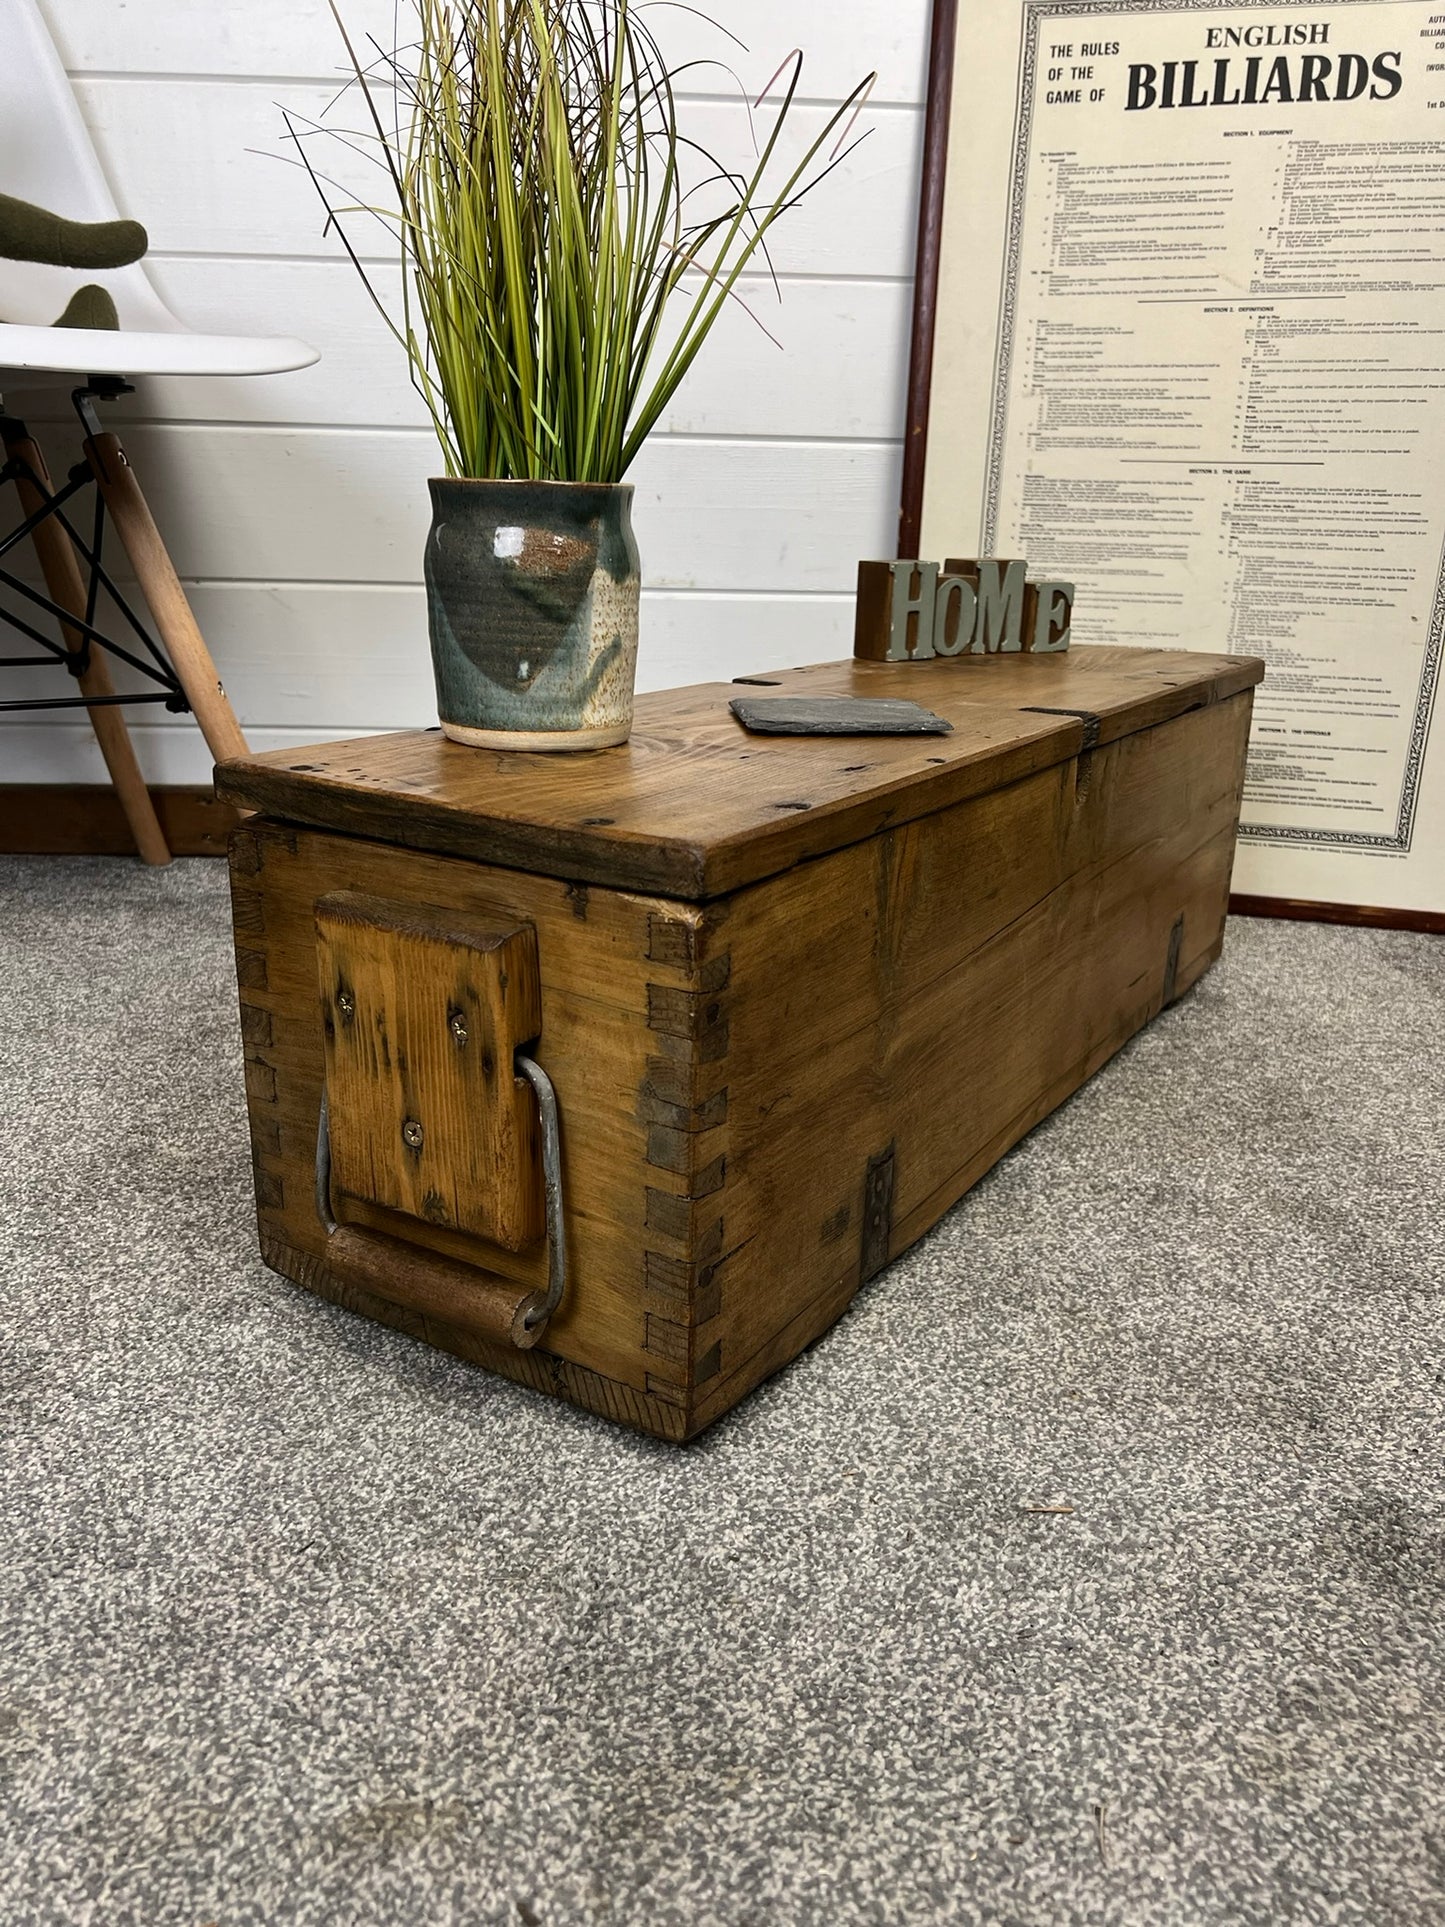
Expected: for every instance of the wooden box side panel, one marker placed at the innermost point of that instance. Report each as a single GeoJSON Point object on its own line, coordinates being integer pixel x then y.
{"type": "Point", "coordinates": [622, 1018]}
{"type": "Point", "coordinates": [902, 1012]}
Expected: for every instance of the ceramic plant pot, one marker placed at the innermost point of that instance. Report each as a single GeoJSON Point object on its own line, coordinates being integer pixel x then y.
{"type": "Point", "coordinates": [532, 589]}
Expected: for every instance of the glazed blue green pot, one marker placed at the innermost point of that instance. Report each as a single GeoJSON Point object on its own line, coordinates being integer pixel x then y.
{"type": "Point", "coordinates": [532, 591]}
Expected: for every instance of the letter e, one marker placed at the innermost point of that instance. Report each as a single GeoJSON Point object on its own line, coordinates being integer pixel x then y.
{"type": "Point", "coordinates": [1055, 615]}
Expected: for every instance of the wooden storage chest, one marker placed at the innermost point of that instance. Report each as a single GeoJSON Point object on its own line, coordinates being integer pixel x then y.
{"type": "Point", "coordinates": [794, 995]}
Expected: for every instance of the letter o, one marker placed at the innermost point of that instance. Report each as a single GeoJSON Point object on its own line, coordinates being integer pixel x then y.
{"type": "Point", "coordinates": [954, 615]}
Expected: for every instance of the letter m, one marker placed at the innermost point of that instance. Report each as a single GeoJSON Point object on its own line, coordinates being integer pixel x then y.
{"type": "Point", "coordinates": [1000, 607]}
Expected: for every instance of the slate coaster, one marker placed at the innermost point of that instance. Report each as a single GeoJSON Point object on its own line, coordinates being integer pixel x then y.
{"type": "Point", "coordinates": [836, 716]}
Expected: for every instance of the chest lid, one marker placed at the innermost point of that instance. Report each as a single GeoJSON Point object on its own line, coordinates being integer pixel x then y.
{"type": "Point", "coordinates": [693, 806]}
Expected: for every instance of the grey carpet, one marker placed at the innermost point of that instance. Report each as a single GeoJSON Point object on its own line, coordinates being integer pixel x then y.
{"type": "Point", "coordinates": [303, 1623]}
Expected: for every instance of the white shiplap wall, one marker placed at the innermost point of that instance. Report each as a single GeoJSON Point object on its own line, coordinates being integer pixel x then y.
{"type": "Point", "coordinates": [296, 506]}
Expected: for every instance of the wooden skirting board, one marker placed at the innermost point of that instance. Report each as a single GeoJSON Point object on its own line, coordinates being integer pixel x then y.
{"type": "Point", "coordinates": [1297, 909]}
{"type": "Point", "coordinates": [75, 819]}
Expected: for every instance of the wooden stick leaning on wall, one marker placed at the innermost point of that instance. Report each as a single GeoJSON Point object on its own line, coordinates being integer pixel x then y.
{"type": "Point", "coordinates": [161, 587]}
{"type": "Point", "coordinates": [942, 38]}
{"type": "Point", "coordinates": [63, 582]}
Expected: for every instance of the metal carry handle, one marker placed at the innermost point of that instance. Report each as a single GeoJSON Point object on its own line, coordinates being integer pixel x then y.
{"type": "Point", "coordinates": [552, 1189]}
{"type": "Point", "coordinates": [441, 1285]}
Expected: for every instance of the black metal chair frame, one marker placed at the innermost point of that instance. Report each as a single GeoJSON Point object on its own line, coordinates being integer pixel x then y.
{"type": "Point", "coordinates": [76, 661]}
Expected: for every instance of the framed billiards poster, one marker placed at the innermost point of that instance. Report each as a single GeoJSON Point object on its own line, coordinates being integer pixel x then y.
{"type": "Point", "coordinates": [1177, 340]}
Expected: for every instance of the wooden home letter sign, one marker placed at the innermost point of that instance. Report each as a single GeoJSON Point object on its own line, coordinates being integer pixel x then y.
{"type": "Point", "coordinates": [908, 611]}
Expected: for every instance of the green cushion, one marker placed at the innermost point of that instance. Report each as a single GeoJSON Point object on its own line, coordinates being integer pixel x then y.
{"type": "Point", "coordinates": [30, 233]}
{"type": "Point", "coordinates": [89, 307]}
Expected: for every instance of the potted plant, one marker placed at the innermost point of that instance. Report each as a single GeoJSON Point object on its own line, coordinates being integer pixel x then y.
{"type": "Point", "coordinates": [566, 249]}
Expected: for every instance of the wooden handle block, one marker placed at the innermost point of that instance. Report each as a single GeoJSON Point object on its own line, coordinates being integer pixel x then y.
{"type": "Point", "coordinates": [423, 1014]}
{"type": "Point", "coordinates": [491, 1308]}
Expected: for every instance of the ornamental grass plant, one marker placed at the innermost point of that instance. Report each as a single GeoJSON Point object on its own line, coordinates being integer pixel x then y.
{"type": "Point", "coordinates": [567, 246]}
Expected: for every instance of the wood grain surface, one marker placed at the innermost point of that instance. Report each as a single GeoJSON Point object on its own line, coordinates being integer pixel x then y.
{"type": "Point", "coordinates": [423, 1017]}
{"type": "Point", "coordinates": [928, 996]}
{"type": "Point", "coordinates": [768, 1095]}
{"type": "Point", "coordinates": [694, 807]}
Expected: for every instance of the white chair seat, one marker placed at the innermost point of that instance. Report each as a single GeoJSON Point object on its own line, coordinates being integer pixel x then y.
{"type": "Point", "coordinates": [46, 156]}
{"type": "Point", "coordinates": [40, 357]}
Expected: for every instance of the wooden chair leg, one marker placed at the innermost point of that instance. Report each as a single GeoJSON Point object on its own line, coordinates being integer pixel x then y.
{"type": "Point", "coordinates": [161, 587]}
{"type": "Point", "coordinates": [65, 587]}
